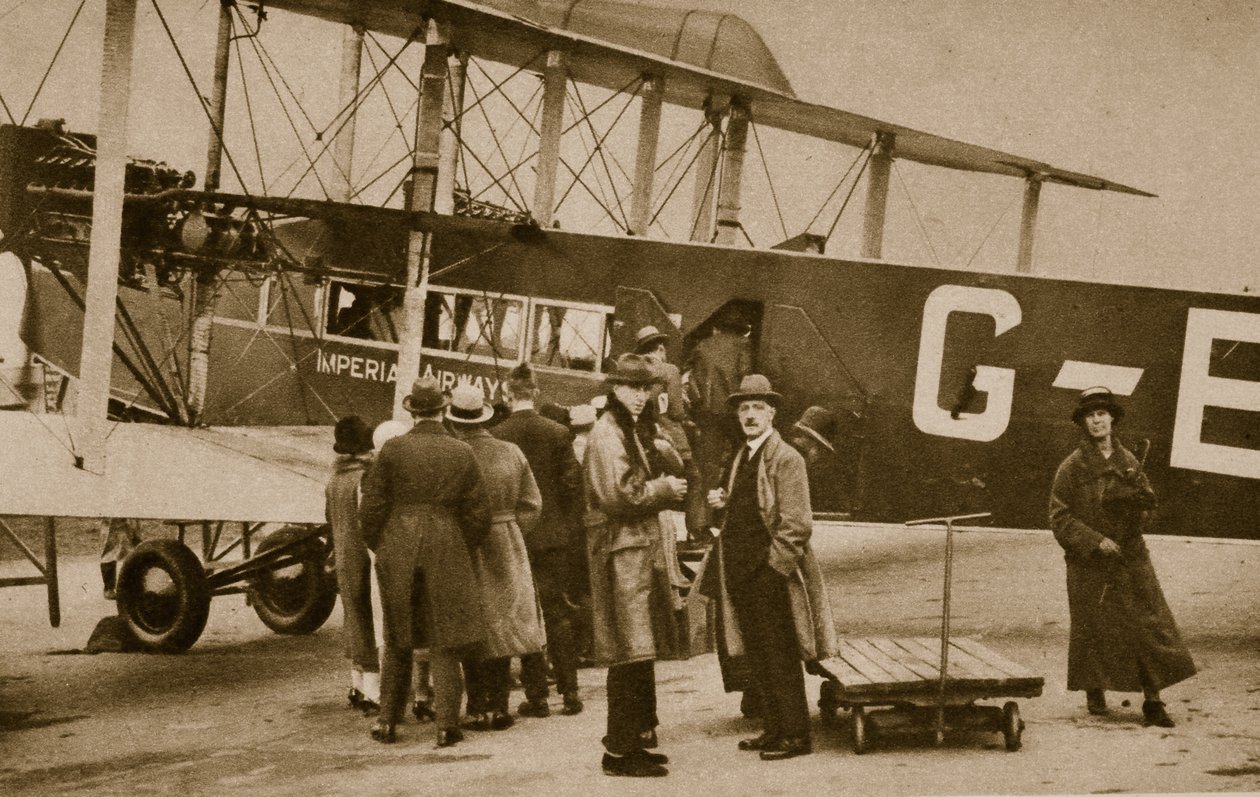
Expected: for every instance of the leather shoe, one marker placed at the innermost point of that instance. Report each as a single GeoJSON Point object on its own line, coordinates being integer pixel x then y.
{"type": "Point", "coordinates": [632, 766]}
{"type": "Point", "coordinates": [383, 732]}
{"type": "Point", "coordinates": [1154, 713]}
{"type": "Point", "coordinates": [354, 698]}
{"type": "Point", "coordinates": [648, 755]}
{"type": "Point", "coordinates": [477, 722]}
{"type": "Point", "coordinates": [448, 737]}
{"type": "Point", "coordinates": [763, 742]}
{"type": "Point", "coordinates": [369, 707]}
{"type": "Point", "coordinates": [422, 711]}
{"type": "Point", "coordinates": [500, 721]}
{"type": "Point", "coordinates": [534, 708]}
{"type": "Point", "coordinates": [787, 748]}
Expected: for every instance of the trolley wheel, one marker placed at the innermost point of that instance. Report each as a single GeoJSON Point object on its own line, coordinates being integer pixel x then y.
{"type": "Point", "coordinates": [163, 595]}
{"type": "Point", "coordinates": [828, 700]}
{"type": "Point", "coordinates": [860, 741]}
{"type": "Point", "coordinates": [1012, 726]}
{"type": "Point", "coordinates": [298, 597]}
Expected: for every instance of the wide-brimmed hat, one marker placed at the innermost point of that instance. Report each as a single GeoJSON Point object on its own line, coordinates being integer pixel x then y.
{"type": "Point", "coordinates": [351, 435]}
{"type": "Point", "coordinates": [754, 386]}
{"type": "Point", "coordinates": [818, 423]}
{"type": "Point", "coordinates": [469, 405]}
{"type": "Point", "coordinates": [581, 415]}
{"type": "Point", "coordinates": [388, 430]}
{"type": "Point", "coordinates": [1093, 398]}
{"type": "Point", "coordinates": [426, 396]}
{"type": "Point", "coordinates": [633, 369]}
{"type": "Point", "coordinates": [648, 338]}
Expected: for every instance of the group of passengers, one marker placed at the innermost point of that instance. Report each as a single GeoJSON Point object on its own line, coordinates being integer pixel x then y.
{"type": "Point", "coordinates": [499, 537]}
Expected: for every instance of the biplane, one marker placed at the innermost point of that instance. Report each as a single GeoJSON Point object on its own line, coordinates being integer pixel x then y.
{"type": "Point", "coordinates": [530, 214]}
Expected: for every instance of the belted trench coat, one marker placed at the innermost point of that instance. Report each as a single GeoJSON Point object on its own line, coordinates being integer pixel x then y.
{"type": "Point", "coordinates": [514, 625]}
{"type": "Point", "coordinates": [1121, 624]}
{"type": "Point", "coordinates": [783, 499]}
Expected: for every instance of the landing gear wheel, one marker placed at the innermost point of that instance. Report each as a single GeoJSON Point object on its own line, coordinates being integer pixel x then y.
{"type": "Point", "coordinates": [295, 598]}
{"type": "Point", "coordinates": [163, 595]}
{"type": "Point", "coordinates": [1012, 726]}
{"type": "Point", "coordinates": [860, 741]}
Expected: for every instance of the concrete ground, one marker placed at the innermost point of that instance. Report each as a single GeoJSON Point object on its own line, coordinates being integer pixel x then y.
{"type": "Point", "coordinates": [249, 712]}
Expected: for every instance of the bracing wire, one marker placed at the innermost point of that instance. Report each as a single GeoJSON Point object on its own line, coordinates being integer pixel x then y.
{"type": "Point", "coordinates": [917, 216]}
{"type": "Point", "coordinates": [773, 194]}
{"type": "Point", "coordinates": [840, 183]}
{"type": "Point", "coordinates": [996, 222]}
{"type": "Point", "coordinates": [53, 62]}
{"type": "Point", "coordinates": [848, 196]}
{"type": "Point", "coordinates": [686, 169]}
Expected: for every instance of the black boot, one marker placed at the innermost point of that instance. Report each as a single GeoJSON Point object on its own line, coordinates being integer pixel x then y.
{"type": "Point", "coordinates": [1096, 701]}
{"type": "Point", "coordinates": [1154, 713]}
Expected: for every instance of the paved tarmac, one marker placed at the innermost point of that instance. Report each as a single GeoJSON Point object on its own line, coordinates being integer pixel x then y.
{"type": "Point", "coordinates": [248, 712]}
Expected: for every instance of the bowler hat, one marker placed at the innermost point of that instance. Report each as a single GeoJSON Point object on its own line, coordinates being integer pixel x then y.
{"type": "Point", "coordinates": [648, 338]}
{"type": "Point", "coordinates": [754, 386]}
{"type": "Point", "coordinates": [426, 396]}
{"type": "Point", "coordinates": [633, 369]}
{"type": "Point", "coordinates": [818, 423]}
{"type": "Point", "coordinates": [1093, 398]}
{"type": "Point", "coordinates": [352, 436]}
{"type": "Point", "coordinates": [469, 405]}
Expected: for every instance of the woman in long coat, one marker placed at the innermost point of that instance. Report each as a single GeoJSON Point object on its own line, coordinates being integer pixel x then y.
{"type": "Point", "coordinates": [514, 624]}
{"type": "Point", "coordinates": [1123, 637]}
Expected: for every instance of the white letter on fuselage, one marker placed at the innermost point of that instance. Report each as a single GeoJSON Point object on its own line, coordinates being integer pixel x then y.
{"type": "Point", "coordinates": [999, 383]}
{"type": "Point", "coordinates": [1199, 389]}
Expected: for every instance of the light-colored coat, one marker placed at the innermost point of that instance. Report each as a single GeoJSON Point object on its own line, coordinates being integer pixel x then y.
{"type": "Point", "coordinates": [514, 624]}
{"type": "Point", "coordinates": [424, 507]}
{"type": "Point", "coordinates": [634, 605]}
{"type": "Point", "coordinates": [1121, 623]}
{"type": "Point", "coordinates": [783, 500]}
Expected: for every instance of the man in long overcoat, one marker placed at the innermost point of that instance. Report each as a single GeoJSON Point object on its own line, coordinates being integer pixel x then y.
{"type": "Point", "coordinates": [767, 582]}
{"type": "Point", "coordinates": [424, 508]}
{"type": "Point", "coordinates": [714, 368]}
{"type": "Point", "coordinates": [633, 600]}
{"type": "Point", "coordinates": [549, 450]}
{"type": "Point", "coordinates": [1123, 636]}
{"type": "Point", "coordinates": [514, 623]}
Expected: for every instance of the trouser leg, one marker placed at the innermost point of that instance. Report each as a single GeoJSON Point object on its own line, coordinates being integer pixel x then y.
{"type": "Point", "coordinates": [448, 687]}
{"type": "Point", "coordinates": [534, 677]}
{"type": "Point", "coordinates": [497, 675]}
{"type": "Point", "coordinates": [474, 683]}
{"type": "Point", "coordinates": [551, 581]}
{"type": "Point", "coordinates": [395, 673]}
{"type": "Point", "coordinates": [631, 705]}
{"type": "Point", "coordinates": [764, 612]}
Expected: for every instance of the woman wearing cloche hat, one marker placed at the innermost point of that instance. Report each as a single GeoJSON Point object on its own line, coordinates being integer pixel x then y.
{"type": "Point", "coordinates": [1123, 637]}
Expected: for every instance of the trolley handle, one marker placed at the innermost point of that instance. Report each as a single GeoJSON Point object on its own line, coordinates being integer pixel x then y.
{"type": "Point", "coordinates": [952, 519]}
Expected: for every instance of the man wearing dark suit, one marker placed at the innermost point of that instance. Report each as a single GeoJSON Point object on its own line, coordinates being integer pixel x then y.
{"type": "Point", "coordinates": [767, 573]}
{"type": "Point", "coordinates": [551, 544]}
{"type": "Point", "coordinates": [424, 508]}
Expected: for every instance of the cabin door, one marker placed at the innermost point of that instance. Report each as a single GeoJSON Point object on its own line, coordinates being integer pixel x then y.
{"type": "Point", "coordinates": [637, 308]}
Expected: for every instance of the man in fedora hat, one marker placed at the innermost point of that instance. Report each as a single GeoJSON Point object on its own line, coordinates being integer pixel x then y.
{"type": "Point", "coordinates": [628, 468]}
{"type": "Point", "coordinates": [671, 416]}
{"type": "Point", "coordinates": [812, 435]}
{"type": "Point", "coordinates": [552, 542]}
{"type": "Point", "coordinates": [424, 508]}
{"type": "Point", "coordinates": [767, 582]}
{"type": "Point", "coordinates": [1123, 636]}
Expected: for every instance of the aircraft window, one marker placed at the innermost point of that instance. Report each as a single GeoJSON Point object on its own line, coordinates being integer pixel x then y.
{"type": "Point", "coordinates": [367, 312]}
{"type": "Point", "coordinates": [569, 337]}
{"type": "Point", "coordinates": [474, 324]}
{"type": "Point", "coordinates": [291, 304]}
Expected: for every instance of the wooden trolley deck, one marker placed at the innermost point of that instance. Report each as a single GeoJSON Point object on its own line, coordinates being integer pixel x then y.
{"type": "Point", "coordinates": [884, 671]}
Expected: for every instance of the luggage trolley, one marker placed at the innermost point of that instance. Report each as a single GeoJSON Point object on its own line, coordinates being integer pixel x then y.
{"type": "Point", "coordinates": [924, 682]}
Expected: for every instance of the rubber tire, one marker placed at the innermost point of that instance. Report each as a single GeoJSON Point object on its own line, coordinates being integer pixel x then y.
{"type": "Point", "coordinates": [1012, 726]}
{"type": "Point", "coordinates": [861, 740]}
{"type": "Point", "coordinates": [187, 616]}
{"type": "Point", "coordinates": [317, 593]}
